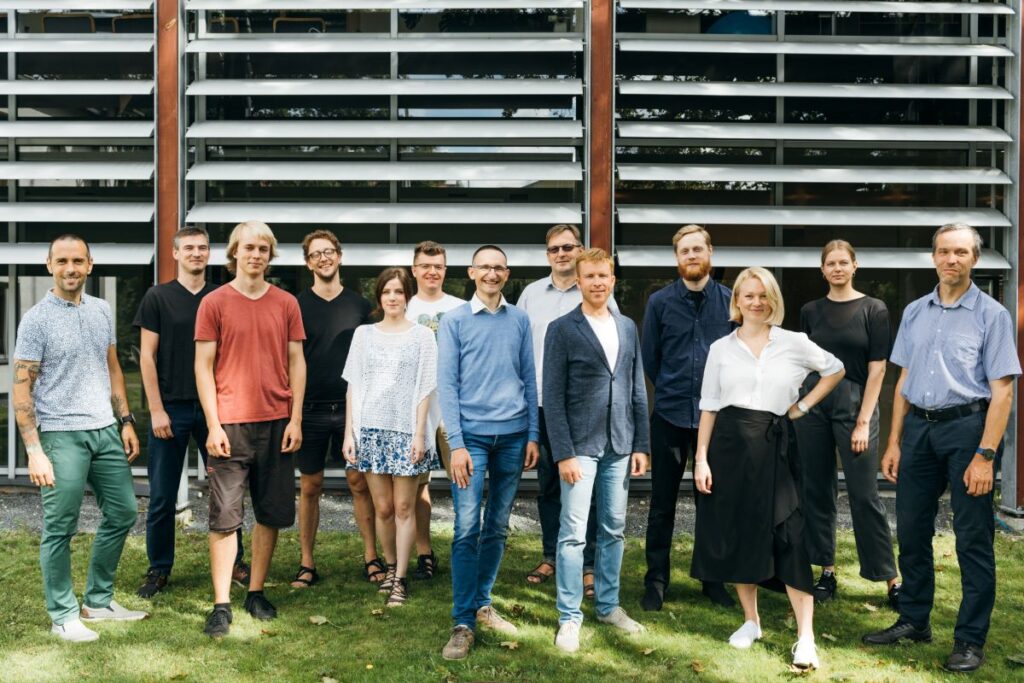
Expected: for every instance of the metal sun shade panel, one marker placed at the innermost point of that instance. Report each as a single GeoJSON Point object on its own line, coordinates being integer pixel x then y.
{"type": "Point", "coordinates": [382, 255]}
{"type": "Point", "coordinates": [930, 217]}
{"type": "Point", "coordinates": [480, 87]}
{"type": "Point", "coordinates": [362, 213]}
{"type": "Point", "coordinates": [76, 87]}
{"type": "Point", "coordinates": [798, 257]}
{"type": "Point", "coordinates": [813, 174]}
{"type": "Point", "coordinates": [656, 43]}
{"type": "Point", "coordinates": [103, 254]}
{"type": "Point", "coordinates": [477, 130]}
{"type": "Point", "coordinates": [809, 131]}
{"type": "Point", "coordinates": [326, 5]}
{"type": "Point", "coordinates": [76, 212]}
{"type": "Point", "coordinates": [76, 129]}
{"type": "Point", "coordinates": [76, 170]}
{"type": "Point", "coordinates": [360, 171]}
{"type": "Point", "coordinates": [850, 90]}
{"type": "Point", "coordinates": [94, 43]}
{"type": "Point", "coordinates": [879, 6]}
{"type": "Point", "coordinates": [81, 5]}
{"type": "Point", "coordinates": [371, 43]}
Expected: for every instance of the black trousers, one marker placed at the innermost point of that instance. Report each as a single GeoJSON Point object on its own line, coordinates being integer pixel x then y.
{"type": "Point", "coordinates": [671, 446]}
{"type": "Point", "coordinates": [822, 432]}
{"type": "Point", "coordinates": [934, 456]}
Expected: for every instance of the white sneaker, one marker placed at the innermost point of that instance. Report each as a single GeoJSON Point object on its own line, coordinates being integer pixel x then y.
{"type": "Point", "coordinates": [74, 631]}
{"type": "Point", "coordinates": [568, 638]}
{"type": "Point", "coordinates": [745, 635]}
{"type": "Point", "coordinates": [805, 654]}
{"type": "Point", "coordinates": [112, 612]}
{"type": "Point", "coordinates": [488, 617]}
{"type": "Point", "coordinates": [620, 620]}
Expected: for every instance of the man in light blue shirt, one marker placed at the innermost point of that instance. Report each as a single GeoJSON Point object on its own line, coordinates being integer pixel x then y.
{"type": "Point", "coordinates": [956, 349]}
{"type": "Point", "coordinates": [488, 394]}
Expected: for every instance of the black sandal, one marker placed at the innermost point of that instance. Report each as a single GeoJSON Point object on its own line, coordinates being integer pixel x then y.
{"type": "Point", "coordinates": [389, 579]}
{"type": "Point", "coordinates": [378, 569]}
{"type": "Point", "coordinates": [589, 589]}
{"type": "Point", "coordinates": [426, 565]}
{"type": "Point", "coordinates": [299, 582]}
{"type": "Point", "coordinates": [399, 593]}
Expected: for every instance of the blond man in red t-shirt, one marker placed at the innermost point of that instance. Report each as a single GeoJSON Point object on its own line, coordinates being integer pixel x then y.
{"type": "Point", "coordinates": [251, 377]}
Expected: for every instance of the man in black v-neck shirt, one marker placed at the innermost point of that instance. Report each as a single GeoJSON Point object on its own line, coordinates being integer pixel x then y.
{"type": "Point", "coordinates": [167, 322]}
{"type": "Point", "coordinates": [330, 315]}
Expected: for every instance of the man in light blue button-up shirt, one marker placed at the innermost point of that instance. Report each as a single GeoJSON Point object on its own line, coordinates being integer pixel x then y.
{"type": "Point", "coordinates": [953, 397]}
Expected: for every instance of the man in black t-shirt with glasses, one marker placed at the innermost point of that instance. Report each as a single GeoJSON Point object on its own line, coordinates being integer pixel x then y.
{"type": "Point", "coordinates": [330, 315]}
{"type": "Point", "coordinates": [167, 322]}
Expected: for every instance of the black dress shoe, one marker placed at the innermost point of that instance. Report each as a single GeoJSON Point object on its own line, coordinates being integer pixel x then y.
{"type": "Point", "coordinates": [901, 630]}
{"type": "Point", "coordinates": [894, 596]}
{"type": "Point", "coordinates": [716, 593]}
{"type": "Point", "coordinates": [654, 596]}
{"type": "Point", "coordinates": [825, 588]}
{"type": "Point", "coordinates": [965, 657]}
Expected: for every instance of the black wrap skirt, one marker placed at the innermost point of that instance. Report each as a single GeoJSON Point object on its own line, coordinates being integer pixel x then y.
{"type": "Point", "coordinates": [749, 528]}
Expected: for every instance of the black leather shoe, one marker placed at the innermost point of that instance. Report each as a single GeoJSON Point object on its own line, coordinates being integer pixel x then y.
{"type": "Point", "coordinates": [825, 588]}
{"type": "Point", "coordinates": [654, 596]}
{"type": "Point", "coordinates": [894, 596]}
{"type": "Point", "coordinates": [259, 607]}
{"type": "Point", "coordinates": [901, 630]}
{"type": "Point", "coordinates": [966, 657]}
{"type": "Point", "coordinates": [716, 593]}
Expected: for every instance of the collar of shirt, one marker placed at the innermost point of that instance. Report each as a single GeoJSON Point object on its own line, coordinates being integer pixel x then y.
{"type": "Point", "coordinates": [968, 300]}
{"type": "Point", "coordinates": [54, 299]}
{"type": "Point", "coordinates": [476, 305]}
{"type": "Point", "coordinates": [550, 284]}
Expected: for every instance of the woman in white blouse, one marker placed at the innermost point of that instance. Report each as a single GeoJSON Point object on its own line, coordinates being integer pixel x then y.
{"type": "Point", "coordinates": [748, 526]}
{"type": "Point", "coordinates": [391, 372]}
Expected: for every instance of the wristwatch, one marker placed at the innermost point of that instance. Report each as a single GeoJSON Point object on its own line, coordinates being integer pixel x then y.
{"type": "Point", "coordinates": [128, 419]}
{"type": "Point", "coordinates": [986, 453]}
{"type": "Point", "coordinates": [802, 407]}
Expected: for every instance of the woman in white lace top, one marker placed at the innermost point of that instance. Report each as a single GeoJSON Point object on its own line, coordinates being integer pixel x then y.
{"type": "Point", "coordinates": [389, 433]}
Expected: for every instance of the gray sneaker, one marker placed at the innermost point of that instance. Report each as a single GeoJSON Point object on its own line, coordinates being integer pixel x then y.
{"type": "Point", "coordinates": [620, 620]}
{"type": "Point", "coordinates": [459, 643]}
{"type": "Point", "coordinates": [489, 618]}
{"type": "Point", "coordinates": [112, 612]}
{"type": "Point", "coordinates": [568, 638]}
{"type": "Point", "coordinates": [74, 631]}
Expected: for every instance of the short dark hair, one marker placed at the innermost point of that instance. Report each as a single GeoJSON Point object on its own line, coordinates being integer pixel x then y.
{"type": "Point", "coordinates": [559, 229]}
{"type": "Point", "coordinates": [190, 231]}
{"type": "Point", "coordinates": [386, 276]}
{"type": "Point", "coordinates": [68, 237]}
{"type": "Point", "coordinates": [429, 248]}
{"type": "Point", "coordinates": [488, 247]}
{"type": "Point", "coordinates": [319, 235]}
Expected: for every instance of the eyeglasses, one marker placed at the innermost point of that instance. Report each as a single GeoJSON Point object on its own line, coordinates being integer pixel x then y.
{"type": "Point", "coordinates": [323, 253]}
{"type": "Point", "coordinates": [498, 270]}
{"type": "Point", "coordinates": [430, 267]}
{"type": "Point", "coordinates": [564, 248]}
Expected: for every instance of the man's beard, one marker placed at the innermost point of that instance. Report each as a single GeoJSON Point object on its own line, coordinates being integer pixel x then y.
{"type": "Point", "coordinates": [694, 272]}
{"type": "Point", "coordinates": [331, 278]}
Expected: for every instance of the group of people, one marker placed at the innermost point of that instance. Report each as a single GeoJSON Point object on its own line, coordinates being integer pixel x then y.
{"type": "Point", "coordinates": [265, 381]}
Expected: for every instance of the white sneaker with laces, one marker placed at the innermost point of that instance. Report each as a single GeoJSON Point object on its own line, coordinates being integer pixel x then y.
{"type": "Point", "coordinates": [112, 612]}
{"type": "Point", "coordinates": [488, 617]}
{"type": "Point", "coordinates": [568, 638]}
{"type": "Point", "coordinates": [620, 620]}
{"type": "Point", "coordinates": [805, 654]}
{"type": "Point", "coordinates": [74, 631]}
{"type": "Point", "coordinates": [745, 635]}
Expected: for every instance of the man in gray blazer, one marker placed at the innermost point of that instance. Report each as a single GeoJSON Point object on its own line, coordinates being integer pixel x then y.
{"type": "Point", "coordinates": [596, 413]}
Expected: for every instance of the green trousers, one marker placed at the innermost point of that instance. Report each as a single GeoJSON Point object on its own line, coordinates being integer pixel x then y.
{"type": "Point", "coordinates": [95, 456]}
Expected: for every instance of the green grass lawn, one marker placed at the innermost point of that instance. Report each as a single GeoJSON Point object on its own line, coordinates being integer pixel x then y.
{"type": "Point", "coordinates": [360, 641]}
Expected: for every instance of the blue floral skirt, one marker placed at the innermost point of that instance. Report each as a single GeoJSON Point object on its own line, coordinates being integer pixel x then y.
{"type": "Point", "coordinates": [383, 451]}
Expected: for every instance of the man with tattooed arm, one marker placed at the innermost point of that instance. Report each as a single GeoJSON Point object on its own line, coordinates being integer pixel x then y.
{"type": "Point", "coordinates": [66, 380]}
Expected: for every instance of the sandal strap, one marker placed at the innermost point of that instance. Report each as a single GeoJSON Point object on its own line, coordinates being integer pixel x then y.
{"type": "Point", "coordinates": [378, 568]}
{"type": "Point", "coordinates": [399, 592]}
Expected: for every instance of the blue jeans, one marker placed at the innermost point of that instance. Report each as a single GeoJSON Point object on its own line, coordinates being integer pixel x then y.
{"type": "Point", "coordinates": [476, 551]}
{"type": "Point", "coordinates": [166, 460]}
{"type": "Point", "coordinates": [606, 478]}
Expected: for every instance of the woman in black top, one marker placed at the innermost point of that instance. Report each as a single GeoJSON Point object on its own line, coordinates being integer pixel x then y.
{"type": "Point", "coordinates": [855, 328]}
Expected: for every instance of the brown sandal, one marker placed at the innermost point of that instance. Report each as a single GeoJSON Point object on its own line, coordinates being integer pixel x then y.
{"type": "Point", "coordinates": [374, 571]}
{"type": "Point", "coordinates": [589, 592]}
{"type": "Point", "coordinates": [537, 576]}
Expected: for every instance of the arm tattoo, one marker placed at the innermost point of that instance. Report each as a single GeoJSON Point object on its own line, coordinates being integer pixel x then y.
{"type": "Point", "coordinates": [26, 371]}
{"type": "Point", "coordinates": [120, 405]}
{"type": "Point", "coordinates": [25, 375]}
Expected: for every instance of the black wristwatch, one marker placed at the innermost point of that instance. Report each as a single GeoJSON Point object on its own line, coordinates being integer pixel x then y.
{"type": "Point", "coordinates": [986, 453]}
{"type": "Point", "coordinates": [128, 419]}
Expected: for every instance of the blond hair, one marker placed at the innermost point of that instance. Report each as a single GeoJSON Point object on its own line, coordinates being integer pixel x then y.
{"type": "Point", "coordinates": [771, 288]}
{"type": "Point", "coordinates": [257, 229]}
{"type": "Point", "coordinates": [689, 230]}
{"type": "Point", "coordinates": [594, 255]}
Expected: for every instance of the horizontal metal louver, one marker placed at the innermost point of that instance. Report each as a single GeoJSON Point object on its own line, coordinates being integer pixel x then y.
{"type": "Point", "coordinates": [810, 131]}
{"type": "Point", "coordinates": [103, 253]}
{"type": "Point", "coordinates": [384, 170]}
{"type": "Point", "coordinates": [822, 6]}
{"type": "Point", "coordinates": [355, 213]}
{"type": "Point", "coordinates": [926, 217]}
